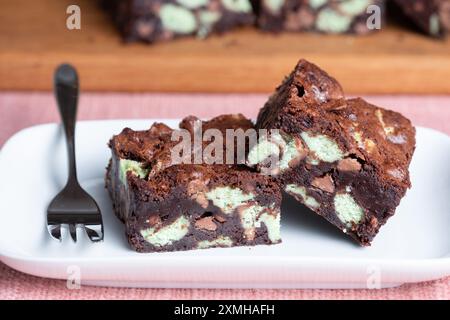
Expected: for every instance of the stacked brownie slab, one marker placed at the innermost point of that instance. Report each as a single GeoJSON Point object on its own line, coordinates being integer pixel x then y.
{"type": "Point", "coordinates": [168, 206]}
{"type": "Point", "coordinates": [345, 159]}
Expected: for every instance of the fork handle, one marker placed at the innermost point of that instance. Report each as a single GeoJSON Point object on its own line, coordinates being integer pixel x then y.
{"type": "Point", "coordinates": [66, 90]}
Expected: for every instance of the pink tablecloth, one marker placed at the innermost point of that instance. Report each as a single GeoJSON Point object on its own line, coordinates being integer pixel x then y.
{"type": "Point", "coordinates": [20, 110]}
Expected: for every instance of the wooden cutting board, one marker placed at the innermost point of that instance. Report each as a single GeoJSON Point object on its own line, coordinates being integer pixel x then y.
{"type": "Point", "coordinates": [34, 40]}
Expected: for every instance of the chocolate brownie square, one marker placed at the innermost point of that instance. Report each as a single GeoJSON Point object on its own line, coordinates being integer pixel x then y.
{"type": "Point", "coordinates": [170, 206]}
{"type": "Point", "coordinates": [345, 159]}
{"type": "Point", "coordinates": [431, 16]}
{"type": "Point", "coordinates": [156, 20]}
{"type": "Point", "coordinates": [327, 16]}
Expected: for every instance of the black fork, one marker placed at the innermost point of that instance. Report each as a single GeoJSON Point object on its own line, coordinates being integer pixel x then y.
{"type": "Point", "coordinates": [72, 206]}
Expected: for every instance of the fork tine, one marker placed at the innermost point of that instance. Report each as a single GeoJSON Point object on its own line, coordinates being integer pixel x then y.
{"type": "Point", "coordinates": [55, 231]}
{"type": "Point", "coordinates": [73, 231]}
{"type": "Point", "coordinates": [94, 232]}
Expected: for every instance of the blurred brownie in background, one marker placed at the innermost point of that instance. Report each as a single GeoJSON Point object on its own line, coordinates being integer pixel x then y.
{"type": "Point", "coordinates": [431, 16]}
{"type": "Point", "coordinates": [328, 16]}
{"type": "Point", "coordinates": [155, 20]}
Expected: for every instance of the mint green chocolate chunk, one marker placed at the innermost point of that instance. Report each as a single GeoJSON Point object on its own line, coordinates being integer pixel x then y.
{"type": "Point", "coordinates": [262, 151]}
{"type": "Point", "coordinates": [434, 25]}
{"type": "Point", "coordinates": [207, 19]}
{"type": "Point", "coordinates": [238, 5]}
{"type": "Point", "coordinates": [193, 4]}
{"type": "Point", "coordinates": [301, 192]}
{"type": "Point", "coordinates": [347, 209]}
{"type": "Point", "coordinates": [317, 3]}
{"type": "Point", "coordinates": [331, 21]}
{"type": "Point", "coordinates": [253, 216]}
{"type": "Point", "coordinates": [274, 5]}
{"type": "Point", "coordinates": [354, 7]}
{"type": "Point", "coordinates": [168, 234]}
{"type": "Point", "coordinates": [228, 199]}
{"type": "Point", "coordinates": [177, 19]}
{"type": "Point", "coordinates": [221, 241]}
{"type": "Point", "coordinates": [290, 153]}
{"type": "Point", "coordinates": [135, 167]}
{"type": "Point", "coordinates": [324, 148]}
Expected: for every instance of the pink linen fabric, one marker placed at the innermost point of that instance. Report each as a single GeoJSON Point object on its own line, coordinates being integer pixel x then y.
{"type": "Point", "coordinates": [19, 110]}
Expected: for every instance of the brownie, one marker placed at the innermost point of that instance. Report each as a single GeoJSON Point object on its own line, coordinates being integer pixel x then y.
{"type": "Point", "coordinates": [327, 16]}
{"type": "Point", "coordinates": [345, 159]}
{"type": "Point", "coordinates": [155, 20]}
{"type": "Point", "coordinates": [431, 16]}
{"type": "Point", "coordinates": [170, 206]}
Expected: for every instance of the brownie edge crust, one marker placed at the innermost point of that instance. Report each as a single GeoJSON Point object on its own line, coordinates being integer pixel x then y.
{"type": "Point", "coordinates": [348, 159]}
{"type": "Point", "coordinates": [186, 206]}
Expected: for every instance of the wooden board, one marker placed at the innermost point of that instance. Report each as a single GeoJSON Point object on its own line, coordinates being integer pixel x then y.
{"type": "Point", "coordinates": [34, 40]}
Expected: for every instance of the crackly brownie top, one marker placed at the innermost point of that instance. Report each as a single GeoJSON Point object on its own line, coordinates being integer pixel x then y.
{"type": "Point", "coordinates": [378, 136]}
{"type": "Point", "coordinates": [164, 179]}
{"type": "Point", "coordinates": [142, 146]}
{"type": "Point", "coordinates": [153, 148]}
{"type": "Point", "coordinates": [310, 102]}
{"type": "Point", "coordinates": [306, 87]}
{"type": "Point", "coordinates": [147, 145]}
{"type": "Point", "coordinates": [222, 123]}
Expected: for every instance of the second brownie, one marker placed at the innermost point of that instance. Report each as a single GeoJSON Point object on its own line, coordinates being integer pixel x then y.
{"type": "Point", "coordinates": [345, 159]}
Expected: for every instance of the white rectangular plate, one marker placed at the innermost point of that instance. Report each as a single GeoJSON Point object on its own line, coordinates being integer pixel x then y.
{"type": "Point", "coordinates": [414, 245]}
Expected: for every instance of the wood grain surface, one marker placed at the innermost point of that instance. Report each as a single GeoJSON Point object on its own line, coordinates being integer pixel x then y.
{"type": "Point", "coordinates": [34, 40]}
